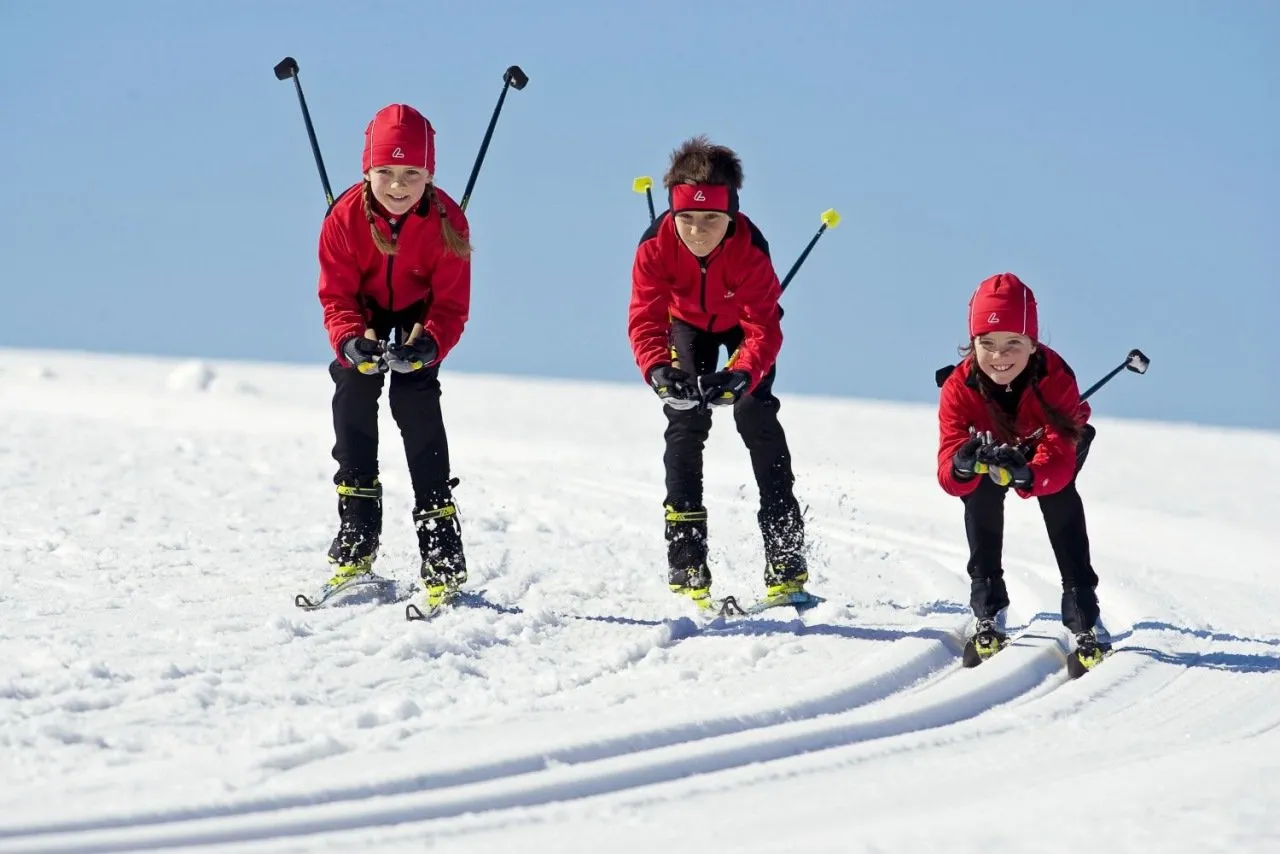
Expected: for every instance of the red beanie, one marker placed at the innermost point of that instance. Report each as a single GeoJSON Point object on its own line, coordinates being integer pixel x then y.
{"type": "Point", "coordinates": [400, 136]}
{"type": "Point", "coordinates": [1003, 304]}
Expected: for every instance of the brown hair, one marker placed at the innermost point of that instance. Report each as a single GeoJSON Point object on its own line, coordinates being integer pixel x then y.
{"type": "Point", "coordinates": [698, 161]}
{"type": "Point", "coordinates": [1058, 420]}
{"type": "Point", "coordinates": [453, 241]}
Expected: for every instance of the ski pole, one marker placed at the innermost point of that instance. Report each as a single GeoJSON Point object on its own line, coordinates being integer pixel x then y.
{"type": "Point", "coordinates": [286, 68]}
{"type": "Point", "coordinates": [830, 219]}
{"type": "Point", "coordinates": [512, 78]}
{"type": "Point", "coordinates": [644, 184]}
{"type": "Point", "coordinates": [1135, 361]}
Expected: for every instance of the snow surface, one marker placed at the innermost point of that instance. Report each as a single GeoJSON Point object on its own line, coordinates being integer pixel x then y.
{"type": "Point", "coordinates": [159, 690]}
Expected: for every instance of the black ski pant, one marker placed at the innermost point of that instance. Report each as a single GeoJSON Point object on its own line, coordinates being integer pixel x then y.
{"type": "Point", "coordinates": [415, 407]}
{"type": "Point", "coordinates": [756, 416]}
{"type": "Point", "coordinates": [1064, 521]}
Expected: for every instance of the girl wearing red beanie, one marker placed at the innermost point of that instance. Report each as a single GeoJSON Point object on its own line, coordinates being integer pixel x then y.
{"type": "Point", "coordinates": [1010, 415]}
{"type": "Point", "coordinates": [394, 265]}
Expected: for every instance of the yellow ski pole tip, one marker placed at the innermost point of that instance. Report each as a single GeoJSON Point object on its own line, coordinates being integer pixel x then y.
{"type": "Point", "coordinates": [830, 218]}
{"type": "Point", "coordinates": [644, 182]}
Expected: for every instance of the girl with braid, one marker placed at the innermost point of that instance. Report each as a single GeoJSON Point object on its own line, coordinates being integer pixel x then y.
{"type": "Point", "coordinates": [1010, 416]}
{"type": "Point", "coordinates": [394, 266]}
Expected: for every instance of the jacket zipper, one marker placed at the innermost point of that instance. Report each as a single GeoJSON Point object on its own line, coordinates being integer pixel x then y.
{"type": "Point", "coordinates": [391, 260]}
{"type": "Point", "coordinates": [702, 294]}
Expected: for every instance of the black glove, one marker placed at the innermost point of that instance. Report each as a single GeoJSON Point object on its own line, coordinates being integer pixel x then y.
{"type": "Point", "coordinates": [723, 388]}
{"type": "Point", "coordinates": [1006, 466]}
{"type": "Point", "coordinates": [674, 387]}
{"type": "Point", "coordinates": [363, 353]}
{"type": "Point", "coordinates": [407, 358]}
{"type": "Point", "coordinates": [965, 463]}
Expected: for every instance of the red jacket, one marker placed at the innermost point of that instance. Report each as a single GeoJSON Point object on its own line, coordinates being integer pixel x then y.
{"type": "Point", "coordinates": [1053, 462]}
{"type": "Point", "coordinates": [354, 271]}
{"type": "Point", "coordinates": [733, 286]}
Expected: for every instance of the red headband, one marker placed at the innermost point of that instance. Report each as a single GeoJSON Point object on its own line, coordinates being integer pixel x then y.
{"type": "Point", "coordinates": [704, 197]}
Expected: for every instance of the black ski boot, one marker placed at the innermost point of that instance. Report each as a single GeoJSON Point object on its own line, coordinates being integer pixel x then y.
{"type": "Point", "coordinates": [1088, 654]}
{"type": "Point", "coordinates": [1080, 609]}
{"type": "Point", "coordinates": [687, 571]}
{"type": "Point", "coordinates": [444, 565]}
{"type": "Point", "coordinates": [988, 639]}
{"type": "Point", "coordinates": [786, 569]}
{"type": "Point", "coordinates": [354, 549]}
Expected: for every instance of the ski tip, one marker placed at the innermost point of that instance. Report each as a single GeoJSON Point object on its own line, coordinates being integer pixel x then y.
{"type": "Point", "coordinates": [413, 613]}
{"type": "Point", "coordinates": [801, 601]}
{"type": "Point", "coordinates": [729, 607]}
{"type": "Point", "coordinates": [812, 602]}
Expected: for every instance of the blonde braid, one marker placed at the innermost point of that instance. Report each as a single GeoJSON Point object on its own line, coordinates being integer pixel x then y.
{"type": "Point", "coordinates": [453, 241]}
{"type": "Point", "coordinates": [385, 246]}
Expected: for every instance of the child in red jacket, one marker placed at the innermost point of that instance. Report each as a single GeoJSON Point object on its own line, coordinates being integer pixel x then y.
{"type": "Point", "coordinates": [1011, 416]}
{"type": "Point", "coordinates": [394, 266]}
{"type": "Point", "coordinates": [702, 279]}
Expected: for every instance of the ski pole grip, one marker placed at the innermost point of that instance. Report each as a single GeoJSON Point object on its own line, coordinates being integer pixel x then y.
{"type": "Point", "coordinates": [286, 68]}
{"type": "Point", "coordinates": [515, 78]}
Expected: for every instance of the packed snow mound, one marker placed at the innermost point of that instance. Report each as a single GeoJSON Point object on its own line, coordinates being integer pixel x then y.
{"type": "Point", "coordinates": [192, 376]}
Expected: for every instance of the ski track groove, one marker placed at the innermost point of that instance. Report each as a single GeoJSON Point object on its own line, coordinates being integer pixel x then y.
{"type": "Point", "coordinates": [938, 653]}
{"type": "Point", "coordinates": [927, 678]}
{"type": "Point", "coordinates": [1120, 615]}
{"type": "Point", "coordinates": [945, 700]}
{"type": "Point", "coordinates": [921, 691]}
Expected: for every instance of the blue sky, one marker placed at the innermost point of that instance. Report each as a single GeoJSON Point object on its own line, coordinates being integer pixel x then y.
{"type": "Point", "coordinates": [1120, 157]}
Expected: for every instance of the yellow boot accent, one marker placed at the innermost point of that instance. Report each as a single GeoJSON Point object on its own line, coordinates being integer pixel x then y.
{"type": "Point", "coordinates": [348, 572]}
{"type": "Point", "coordinates": [701, 596]}
{"type": "Point", "coordinates": [437, 593]}
{"type": "Point", "coordinates": [348, 491]}
{"type": "Point", "coordinates": [794, 584]}
{"type": "Point", "coordinates": [783, 588]}
{"type": "Point", "coordinates": [674, 515]}
{"type": "Point", "coordinates": [1091, 658]}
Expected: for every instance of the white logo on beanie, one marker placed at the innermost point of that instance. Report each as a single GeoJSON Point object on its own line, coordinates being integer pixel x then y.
{"type": "Point", "coordinates": [994, 318]}
{"type": "Point", "coordinates": [698, 197]}
{"type": "Point", "coordinates": [397, 153]}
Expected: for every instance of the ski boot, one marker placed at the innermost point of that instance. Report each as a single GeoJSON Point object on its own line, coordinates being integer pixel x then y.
{"type": "Point", "coordinates": [786, 578]}
{"type": "Point", "coordinates": [353, 550]}
{"type": "Point", "coordinates": [786, 569]}
{"type": "Point", "coordinates": [687, 573]}
{"type": "Point", "coordinates": [444, 566]}
{"type": "Point", "coordinates": [1088, 654]}
{"type": "Point", "coordinates": [988, 639]}
{"type": "Point", "coordinates": [694, 582]}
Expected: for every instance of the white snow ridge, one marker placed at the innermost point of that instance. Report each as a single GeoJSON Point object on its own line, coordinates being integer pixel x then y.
{"type": "Point", "coordinates": [160, 691]}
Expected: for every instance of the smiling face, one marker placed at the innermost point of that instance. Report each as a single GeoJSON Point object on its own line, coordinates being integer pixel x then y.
{"type": "Point", "coordinates": [1002, 356]}
{"type": "Point", "coordinates": [397, 188]}
{"type": "Point", "coordinates": [702, 231]}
